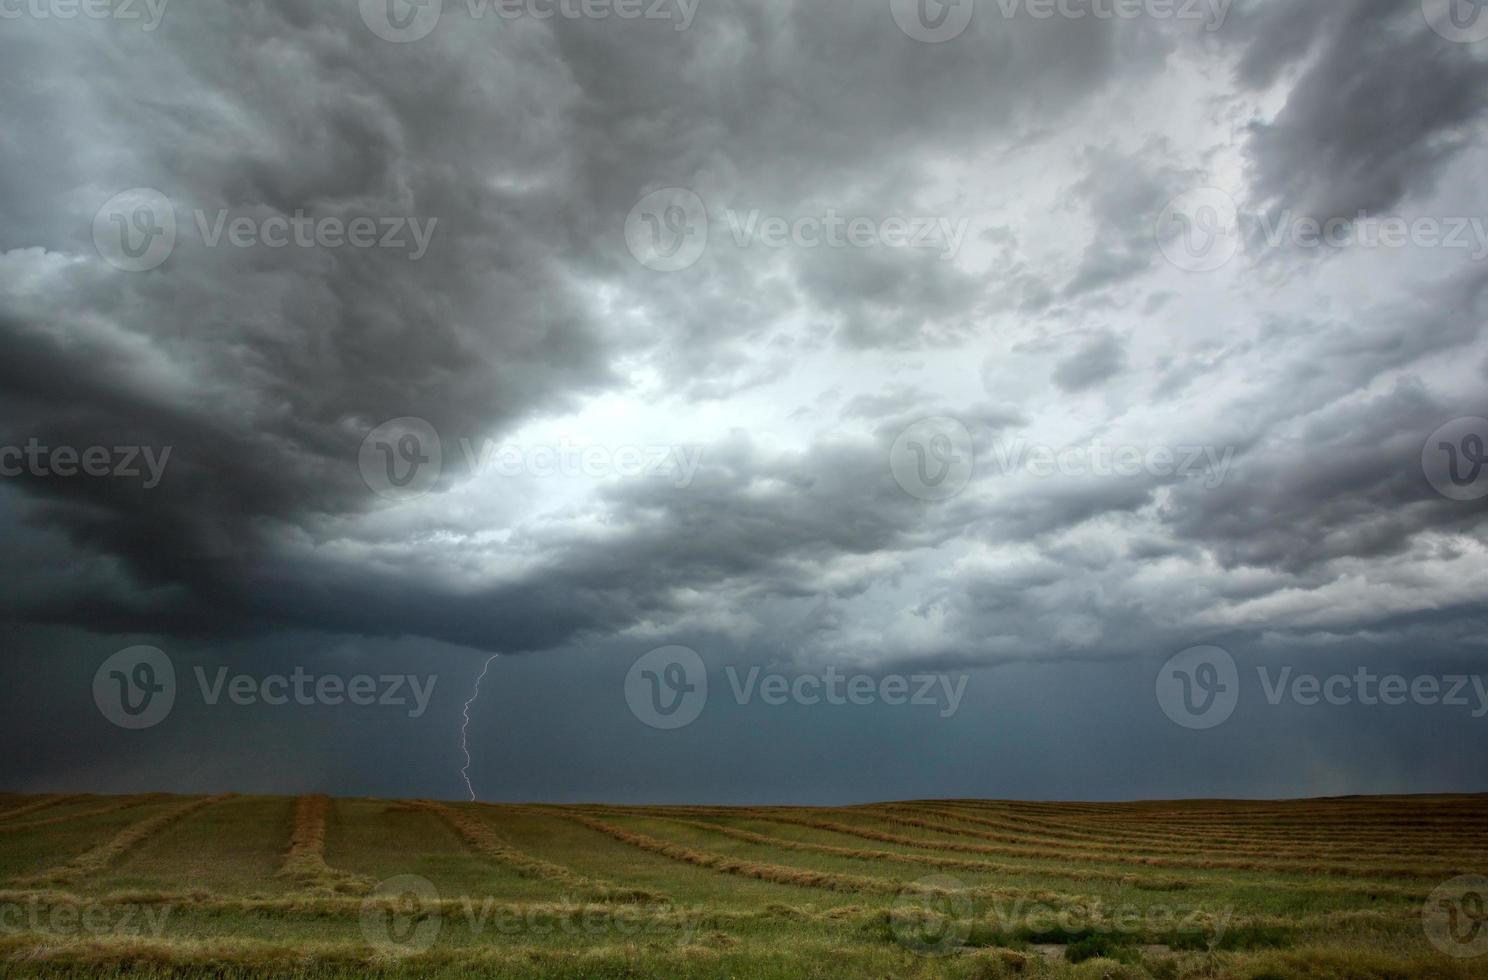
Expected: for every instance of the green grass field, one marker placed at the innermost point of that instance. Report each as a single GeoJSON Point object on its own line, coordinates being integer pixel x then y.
{"type": "Point", "coordinates": [162, 886]}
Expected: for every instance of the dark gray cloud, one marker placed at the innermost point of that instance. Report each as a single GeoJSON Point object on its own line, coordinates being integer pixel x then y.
{"type": "Point", "coordinates": [1352, 137]}
{"type": "Point", "coordinates": [1097, 359]}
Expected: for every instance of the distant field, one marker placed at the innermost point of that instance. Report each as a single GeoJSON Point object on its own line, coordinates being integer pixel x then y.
{"type": "Point", "coordinates": [159, 886]}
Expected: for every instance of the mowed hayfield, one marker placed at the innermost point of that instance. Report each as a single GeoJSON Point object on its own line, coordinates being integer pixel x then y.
{"type": "Point", "coordinates": [234, 886]}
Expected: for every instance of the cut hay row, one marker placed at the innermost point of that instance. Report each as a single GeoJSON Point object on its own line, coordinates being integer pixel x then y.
{"type": "Point", "coordinates": [1420, 814]}
{"type": "Point", "coordinates": [1163, 830]}
{"type": "Point", "coordinates": [126, 840]}
{"type": "Point", "coordinates": [924, 860]}
{"type": "Point", "coordinates": [1142, 861]}
{"type": "Point", "coordinates": [466, 906]}
{"type": "Point", "coordinates": [304, 861]}
{"type": "Point", "coordinates": [1386, 846]}
{"type": "Point", "coordinates": [1112, 843]}
{"type": "Point", "coordinates": [146, 956]}
{"type": "Point", "coordinates": [775, 873]}
{"type": "Point", "coordinates": [129, 804]}
{"type": "Point", "coordinates": [1056, 830]}
{"type": "Point", "coordinates": [479, 836]}
{"type": "Point", "coordinates": [328, 905]}
{"type": "Point", "coordinates": [1295, 822]}
{"type": "Point", "coordinates": [1471, 802]}
{"type": "Point", "coordinates": [458, 907]}
{"type": "Point", "coordinates": [1157, 823]}
{"type": "Point", "coordinates": [1408, 813]}
{"type": "Point", "coordinates": [42, 804]}
{"type": "Point", "coordinates": [1199, 858]}
{"type": "Point", "coordinates": [1117, 849]}
{"type": "Point", "coordinates": [1087, 828]}
{"type": "Point", "coordinates": [1062, 869]}
{"type": "Point", "coordinates": [1185, 844]}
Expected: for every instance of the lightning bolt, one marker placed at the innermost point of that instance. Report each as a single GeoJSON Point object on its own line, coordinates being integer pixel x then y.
{"type": "Point", "coordinates": [465, 728]}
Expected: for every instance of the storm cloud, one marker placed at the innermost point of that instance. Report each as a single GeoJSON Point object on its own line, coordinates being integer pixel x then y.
{"type": "Point", "coordinates": [1166, 452]}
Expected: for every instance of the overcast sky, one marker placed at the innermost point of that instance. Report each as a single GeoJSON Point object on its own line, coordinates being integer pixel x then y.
{"type": "Point", "coordinates": [981, 342]}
